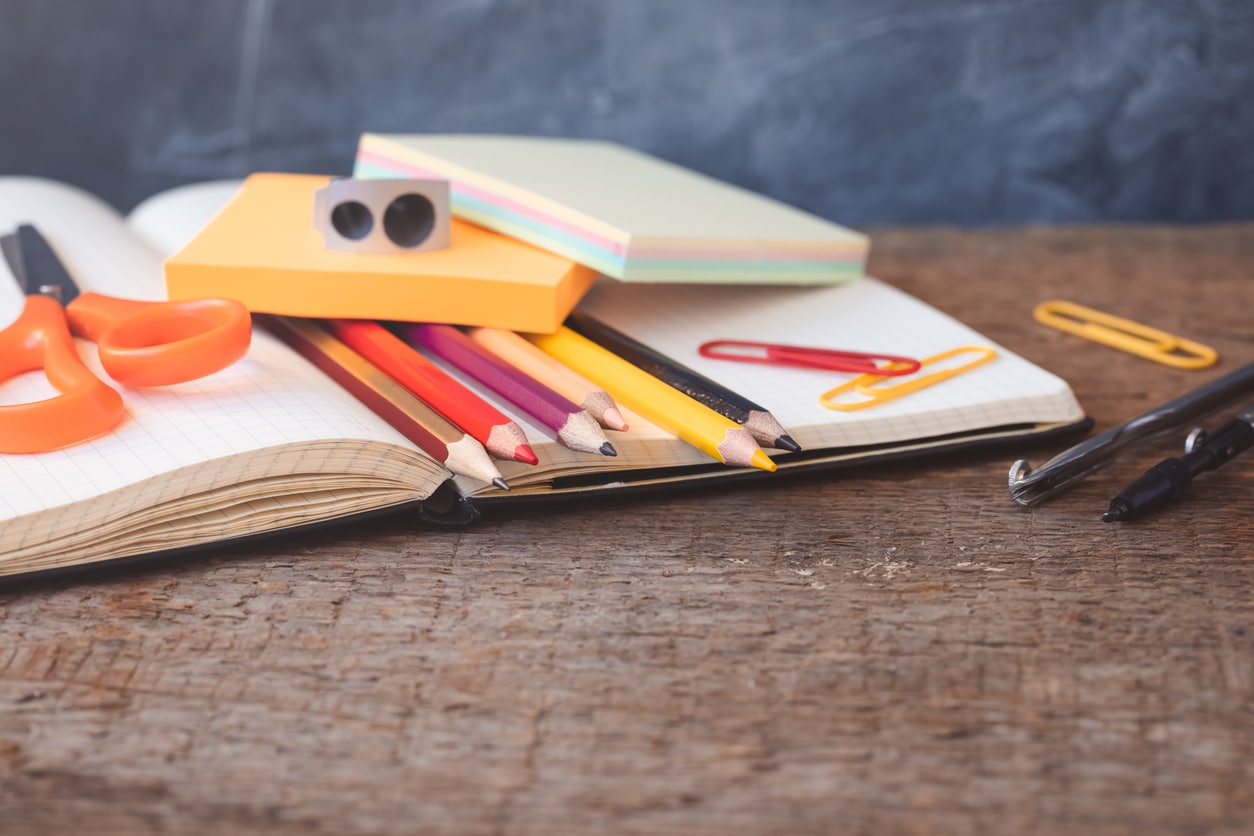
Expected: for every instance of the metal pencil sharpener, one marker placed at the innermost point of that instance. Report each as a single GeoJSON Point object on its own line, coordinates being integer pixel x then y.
{"type": "Point", "coordinates": [383, 216]}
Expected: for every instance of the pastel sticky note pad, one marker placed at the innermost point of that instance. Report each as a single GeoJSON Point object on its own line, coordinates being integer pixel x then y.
{"type": "Point", "coordinates": [262, 248]}
{"type": "Point", "coordinates": [622, 212]}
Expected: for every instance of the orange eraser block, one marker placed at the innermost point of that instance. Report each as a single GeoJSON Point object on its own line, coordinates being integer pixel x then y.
{"type": "Point", "coordinates": [262, 248]}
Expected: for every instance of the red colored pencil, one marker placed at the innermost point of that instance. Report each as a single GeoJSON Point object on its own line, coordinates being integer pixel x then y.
{"type": "Point", "coordinates": [570, 423]}
{"type": "Point", "coordinates": [480, 420]}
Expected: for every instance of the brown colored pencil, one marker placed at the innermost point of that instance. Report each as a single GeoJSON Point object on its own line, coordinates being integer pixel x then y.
{"type": "Point", "coordinates": [421, 424]}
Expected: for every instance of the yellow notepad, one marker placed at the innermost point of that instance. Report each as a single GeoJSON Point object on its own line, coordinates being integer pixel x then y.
{"type": "Point", "coordinates": [263, 249]}
{"type": "Point", "coordinates": [622, 212]}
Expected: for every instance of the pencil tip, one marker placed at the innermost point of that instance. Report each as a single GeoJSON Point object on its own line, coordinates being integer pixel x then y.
{"type": "Point", "coordinates": [607, 449]}
{"type": "Point", "coordinates": [501, 483]}
{"type": "Point", "coordinates": [525, 454]}
{"type": "Point", "coordinates": [786, 442]}
{"type": "Point", "coordinates": [614, 419]}
{"type": "Point", "coordinates": [763, 461]}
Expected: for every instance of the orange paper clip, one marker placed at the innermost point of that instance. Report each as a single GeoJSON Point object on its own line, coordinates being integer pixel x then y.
{"type": "Point", "coordinates": [867, 386]}
{"type": "Point", "coordinates": [795, 356]}
{"type": "Point", "coordinates": [1126, 335]}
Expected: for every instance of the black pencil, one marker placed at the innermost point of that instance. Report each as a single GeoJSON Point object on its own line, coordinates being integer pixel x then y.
{"type": "Point", "coordinates": [756, 419]}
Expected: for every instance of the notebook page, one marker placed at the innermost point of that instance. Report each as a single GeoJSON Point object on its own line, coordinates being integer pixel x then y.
{"type": "Point", "coordinates": [270, 397]}
{"type": "Point", "coordinates": [864, 315]}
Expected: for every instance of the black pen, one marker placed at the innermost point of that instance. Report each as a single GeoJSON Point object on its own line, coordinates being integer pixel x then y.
{"type": "Point", "coordinates": [1170, 479]}
{"type": "Point", "coordinates": [1032, 487]}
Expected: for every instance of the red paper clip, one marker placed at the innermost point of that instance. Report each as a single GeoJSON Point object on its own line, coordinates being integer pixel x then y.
{"type": "Point", "coordinates": [773, 354]}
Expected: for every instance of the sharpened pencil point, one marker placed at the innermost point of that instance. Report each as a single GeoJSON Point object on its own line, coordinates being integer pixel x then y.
{"type": "Point", "coordinates": [501, 483]}
{"type": "Point", "coordinates": [583, 433]}
{"type": "Point", "coordinates": [614, 419]}
{"type": "Point", "coordinates": [525, 454]}
{"type": "Point", "coordinates": [767, 431]}
{"type": "Point", "coordinates": [763, 461]}
{"type": "Point", "coordinates": [786, 442]}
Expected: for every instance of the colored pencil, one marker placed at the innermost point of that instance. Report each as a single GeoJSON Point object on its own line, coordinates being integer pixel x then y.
{"type": "Point", "coordinates": [529, 359]}
{"type": "Point", "coordinates": [418, 422]}
{"type": "Point", "coordinates": [664, 405]}
{"type": "Point", "coordinates": [572, 425]}
{"type": "Point", "coordinates": [485, 423]}
{"type": "Point", "coordinates": [756, 419]}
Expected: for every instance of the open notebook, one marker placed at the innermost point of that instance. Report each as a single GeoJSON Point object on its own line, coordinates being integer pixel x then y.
{"type": "Point", "coordinates": [272, 443]}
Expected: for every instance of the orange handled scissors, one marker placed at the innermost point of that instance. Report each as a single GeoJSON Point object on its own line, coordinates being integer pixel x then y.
{"type": "Point", "coordinates": [140, 344]}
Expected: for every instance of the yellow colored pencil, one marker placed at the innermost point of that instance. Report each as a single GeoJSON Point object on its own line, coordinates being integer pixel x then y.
{"type": "Point", "coordinates": [672, 410]}
{"type": "Point", "coordinates": [531, 360]}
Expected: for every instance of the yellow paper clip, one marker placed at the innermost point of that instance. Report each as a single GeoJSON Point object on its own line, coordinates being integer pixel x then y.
{"type": "Point", "coordinates": [868, 386]}
{"type": "Point", "coordinates": [1126, 335]}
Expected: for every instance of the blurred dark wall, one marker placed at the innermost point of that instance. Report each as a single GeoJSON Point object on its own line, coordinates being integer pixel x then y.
{"type": "Point", "coordinates": [970, 112]}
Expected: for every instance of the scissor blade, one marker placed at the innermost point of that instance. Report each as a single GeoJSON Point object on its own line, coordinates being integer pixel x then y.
{"type": "Point", "coordinates": [43, 271]}
{"type": "Point", "coordinates": [12, 250]}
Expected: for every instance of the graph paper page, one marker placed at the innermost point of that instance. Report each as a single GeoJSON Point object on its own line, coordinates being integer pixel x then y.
{"type": "Point", "coordinates": [270, 397]}
{"type": "Point", "coordinates": [864, 315]}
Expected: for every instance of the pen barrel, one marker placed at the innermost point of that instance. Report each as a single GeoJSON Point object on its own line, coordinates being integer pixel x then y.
{"type": "Point", "coordinates": [1161, 485]}
{"type": "Point", "coordinates": [1224, 444]}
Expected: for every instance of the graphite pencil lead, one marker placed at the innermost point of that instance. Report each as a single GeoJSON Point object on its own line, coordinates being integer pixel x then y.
{"type": "Point", "coordinates": [768, 431]}
{"type": "Point", "coordinates": [467, 456]}
{"type": "Point", "coordinates": [582, 432]}
{"type": "Point", "coordinates": [501, 483]}
{"type": "Point", "coordinates": [786, 442]}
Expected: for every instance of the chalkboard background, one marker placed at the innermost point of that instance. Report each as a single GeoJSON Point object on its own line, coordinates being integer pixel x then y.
{"type": "Point", "coordinates": [869, 112]}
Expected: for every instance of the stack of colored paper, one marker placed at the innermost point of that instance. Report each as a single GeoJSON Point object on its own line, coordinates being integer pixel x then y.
{"type": "Point", "coordinates": [619, 211]}
{"type": "Point", "coordinates": [262, 249]}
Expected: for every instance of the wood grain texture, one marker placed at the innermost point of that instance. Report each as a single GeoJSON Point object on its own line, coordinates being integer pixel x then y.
{"type": "Point", "coordinates": [899, 651]}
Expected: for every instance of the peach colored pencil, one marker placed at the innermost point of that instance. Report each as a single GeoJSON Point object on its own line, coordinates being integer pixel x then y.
{"type": "Point", "coordinates": [517, 351]}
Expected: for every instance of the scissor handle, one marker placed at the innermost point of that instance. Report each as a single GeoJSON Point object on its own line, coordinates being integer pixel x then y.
{"type": "Point", "coordinates": [87, 407]}
{"type": "Point", "coordinates": [162, 343]}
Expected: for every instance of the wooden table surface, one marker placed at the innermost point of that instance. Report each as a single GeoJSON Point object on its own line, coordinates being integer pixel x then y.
{"type": "Point", "coordinates": [902, 650]}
